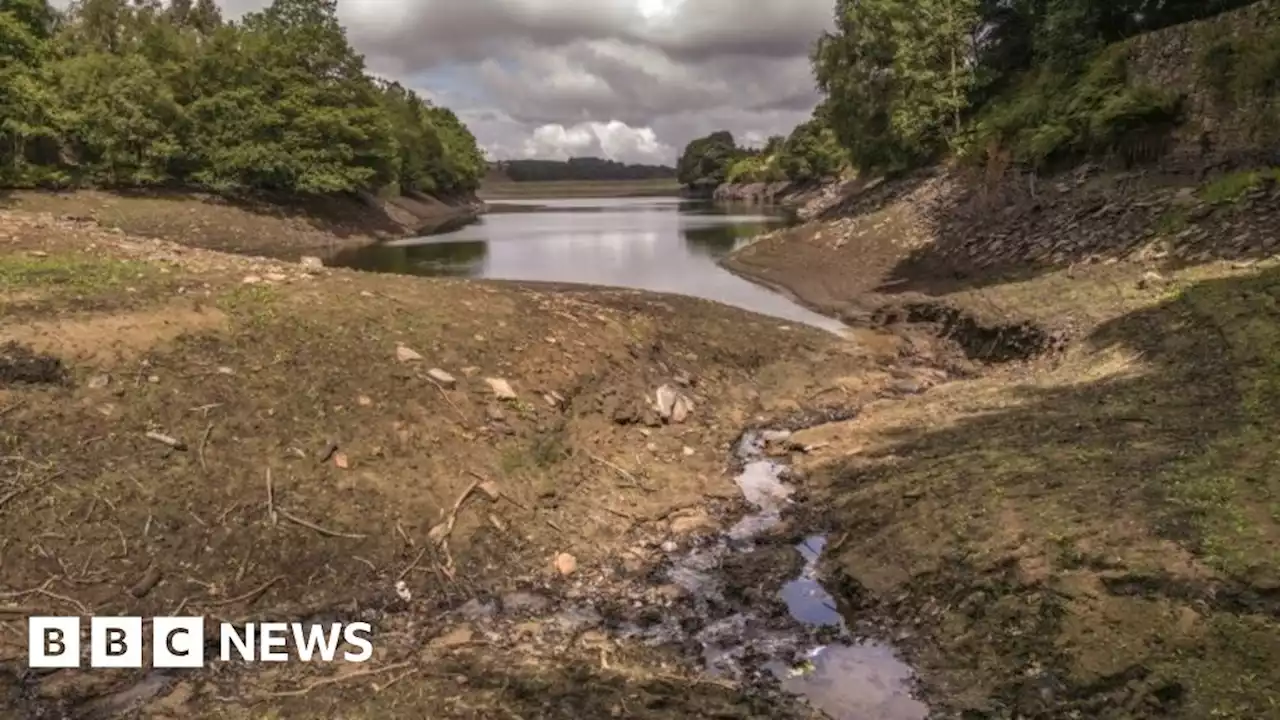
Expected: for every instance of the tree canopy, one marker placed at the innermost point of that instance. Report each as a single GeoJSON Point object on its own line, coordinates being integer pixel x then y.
{"type": "Point", "coordinates": [127, 93]}
{"type": "Point", "coordinates": [582, 168]}
{"type": "Point", "coordinates": [905, 80]}
{"type": "Point", "coordinates": [810, 153]}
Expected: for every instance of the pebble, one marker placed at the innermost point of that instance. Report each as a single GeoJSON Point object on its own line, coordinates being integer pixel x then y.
{"type": "Point", "coordinates": [566, 564]}
{"type": "Point", "coordinates": [405, 354]}
{"type": "Point", "coordinates": [442, 377]}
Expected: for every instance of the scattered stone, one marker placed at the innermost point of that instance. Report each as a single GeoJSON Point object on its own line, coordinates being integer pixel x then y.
{"type": "Point", "coordinates": [691, 522]}
{"type": "Point", "coordinates": [153, 379]}
{"type": "Point", "coordinates": [566, 564]}
{"type": "Point", "coordinates": [1151, 279]}
{"type": "Point", "coordinates": [442, 377]}
{"type": "Point", "coordinates": [494, 413]}
{"type": "Point", "coordinates": [251, 280]}
{"type": "Point", "coordinates": [364, 401]}
{"type": "Point", "coordinates": [672, 405]}
{"type": "Point", "coordinates": [310, 262]}
{"type": "Point", "coordinates": [97, 382]}
{"type": "Point", "coordinates": [406, 354]}
{"type": "Point", "coordinates": [276, 277]}
{"type": "Point", "coordinates": [684, 379]}
{"type": "Point", "coordinates": [670, 546]}
{"type": "Point", "coordinates": [340, 461]}
{"type": "Point", "coordinates": [501, 389]}
{"type": "Point", "coordinates": [38, 254]}
{"type": "Point", "coordinates": [688, 451]}
{"type": "Point", "coordinates": [402, 590]}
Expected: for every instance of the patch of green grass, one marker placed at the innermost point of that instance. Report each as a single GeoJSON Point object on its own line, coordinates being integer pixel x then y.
{"type": "Point", "coordinates": [1232, 188]}
{"type": "Point", "coordinates": [257, 305]}
{"type": "Point", "coordinates": [1172, 222]}
{"type": "Point", "coordinates": [78, 274]}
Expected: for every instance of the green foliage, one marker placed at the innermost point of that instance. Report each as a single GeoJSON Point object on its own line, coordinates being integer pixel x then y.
{"type": "Point", "coordinates": [905, 80]}
{"type": "Point", "coordinates": [1053, 115]}
{"type": "Point", "coordinates": [1244, 68]}
{"type": "Point", "coordinates": [810, 153]}
{"type": "Point", "coordinates": [582, 168]}
{"type": "Point", "coordinates": [123, 93]}
{"type": "Point", "coordinates": [1232, 188]}
{"type": "Point", "coordinates": [706, 160]}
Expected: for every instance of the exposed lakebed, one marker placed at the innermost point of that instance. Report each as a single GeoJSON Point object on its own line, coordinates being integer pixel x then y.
{"type": "Point", "coordinates": [658, 244]}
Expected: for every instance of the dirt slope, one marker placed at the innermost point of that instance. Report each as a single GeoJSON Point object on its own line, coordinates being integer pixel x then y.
{"type": "Point", "coordinates": [316, 453]}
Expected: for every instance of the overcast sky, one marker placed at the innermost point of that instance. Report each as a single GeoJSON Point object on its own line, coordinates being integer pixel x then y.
{"type": "Point", "coordinates": [633, 80]}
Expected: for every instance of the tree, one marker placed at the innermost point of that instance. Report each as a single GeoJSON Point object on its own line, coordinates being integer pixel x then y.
{"type": "Point", "coordinates": [706, 160]}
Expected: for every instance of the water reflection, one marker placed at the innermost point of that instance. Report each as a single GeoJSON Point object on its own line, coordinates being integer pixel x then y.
{"type": "Point", "coordinates": [658, 244]}
{"type": "Point", "coordinates": [439, 259]}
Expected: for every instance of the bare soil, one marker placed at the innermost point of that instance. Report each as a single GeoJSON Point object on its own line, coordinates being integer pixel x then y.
{"type": "Point", "coordinates": [189, 432]}
{"type": "Point", "coordinates": [277, 227]}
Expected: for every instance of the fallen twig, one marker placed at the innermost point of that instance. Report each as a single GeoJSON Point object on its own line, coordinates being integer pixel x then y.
{"type": "Point", "coordinates": [204, 440]}
{"type": "Point", "coordinates": [626, 475]}
{"type": "Point", "coordinates": [445, 394]}
{"type": "Point", "coordinates": [71, 601]}
{"type": "Point", "coordinates": [247, 597]}
{"type": "Point", "coordinates": [441, 532]}
{"type": "Point", "coordinates": [339, 678]}
{"type": "Point", "coordinates": [172, 442]}
{"type": "Point", "coordinates": [317, 528]}
{"type": "Point", "coordinates": [271, 500]}
{"type": "Point", "coordinates": [405, 572]}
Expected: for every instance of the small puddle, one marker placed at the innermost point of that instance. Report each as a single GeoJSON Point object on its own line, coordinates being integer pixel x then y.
{"type": "Point", "coordinates": [844, 678]}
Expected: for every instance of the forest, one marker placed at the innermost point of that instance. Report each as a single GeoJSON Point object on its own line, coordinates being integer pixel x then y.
{"type": "Point", "coordinates": [581, 168]}
{"type": "Point", "coordinates": [140, 93]}
{"type": "Point", "coordinates": [905, 83]}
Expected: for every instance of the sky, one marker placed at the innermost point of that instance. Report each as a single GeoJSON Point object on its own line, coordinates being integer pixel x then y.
{"type": "Point", "coordinates": [630, 80]}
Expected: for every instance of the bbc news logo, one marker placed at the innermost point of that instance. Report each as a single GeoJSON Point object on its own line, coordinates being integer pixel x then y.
{"type": "Point", "coordinates": [179, 642]}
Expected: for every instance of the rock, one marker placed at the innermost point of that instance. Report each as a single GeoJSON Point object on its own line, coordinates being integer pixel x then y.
{"type": "Point", "coordinates": [97, 382]}
{"type": "Point", "coordinates": [442, 377]}
{"type": "Point", "coordinates": [402, 590]}
{"type": "Point", "coordinates": [364, 401]}
{"type": "Point", "coordinates": [494, 413]}
{"type": "Point", "coordinates": [276, 277]}
{"type": "Point", "coordinates": [251, 280]}
{"type": "Point", "coordinates": [687, 451]}
{"type": "Point", "coordinates": [226, 371]}
{"type": "Point", "coordinates": [1151, 279]}
{"type": "Point", "coordinates": [566, 564]}
{"type": "Point", "coordinates": [501, 389]}
{"type": "Point", "coordinates": [672, 405]}
{"type": "Point", "coordinates": [310, 262]}
{"type": "Point", "coordinates": [340, 461]}
{"type": "Point", "coordinates": [691, 522]}
{"type": "Point", "coordinates": [670, 546]}
{"type": "Point", "coordinates": [405, 354]}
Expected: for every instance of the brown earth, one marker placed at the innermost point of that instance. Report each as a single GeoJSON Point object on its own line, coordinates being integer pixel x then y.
{"type": "Point", "coordinates": [278, 227]}
{"type": "Point", "coordinates": [1086, 527]}
{"type": "Point", "coordinates": [188, 432]}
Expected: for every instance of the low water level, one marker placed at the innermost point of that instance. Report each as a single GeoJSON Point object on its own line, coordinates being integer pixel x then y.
{"type": "Point", "coordinates": [659, 244]}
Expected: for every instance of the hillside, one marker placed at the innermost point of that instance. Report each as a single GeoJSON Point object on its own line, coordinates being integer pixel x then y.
{"type": "Point", "coordinates": [1089, 519]}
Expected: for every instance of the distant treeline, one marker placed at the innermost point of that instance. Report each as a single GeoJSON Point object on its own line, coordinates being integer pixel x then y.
{"type": "Point", "coordinates": [585, 168]}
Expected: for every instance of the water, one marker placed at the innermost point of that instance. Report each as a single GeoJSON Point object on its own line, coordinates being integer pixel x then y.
{"type": "Point", "coordinates": [658, 244]}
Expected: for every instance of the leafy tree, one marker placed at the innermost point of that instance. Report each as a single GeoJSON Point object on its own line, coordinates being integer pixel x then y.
{"type": "Point", "coordinates": [706, 160]}
{"type": "Point", "coordinates": [142, 92]}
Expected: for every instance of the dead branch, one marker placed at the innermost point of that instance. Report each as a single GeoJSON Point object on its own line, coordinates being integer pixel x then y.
{"type": "Point", "coordinates": [163, 439]}
{"type": "Point", "coordinates": [271, 500]}
{"type": "Point", "coordinates": [491, 489]}
{"type": "Point", "coordinates": [444, 394]}
{"type": "Point", "coordinates": [404, 573]}
{"type": "Point", "coordinates": [204, 440]}
{"type": "Point", "coordinates": [247, 597]}
{"type": "Point", "coordinates": [441, 532]}
{"type": "Point", "coordinates": [317, 528]}
{"type": "Point", "coordinates": [337, 679]}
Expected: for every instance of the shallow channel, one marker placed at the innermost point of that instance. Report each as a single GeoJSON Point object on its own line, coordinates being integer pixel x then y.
{"type": "Point", "coordinates": [661, 244]}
